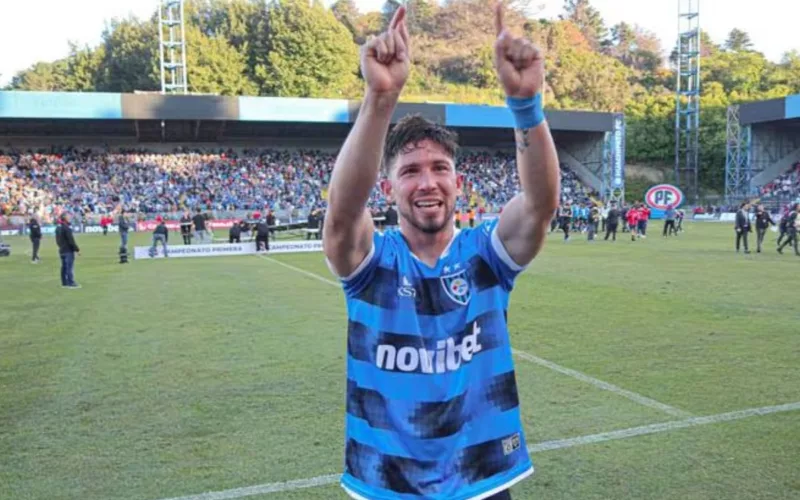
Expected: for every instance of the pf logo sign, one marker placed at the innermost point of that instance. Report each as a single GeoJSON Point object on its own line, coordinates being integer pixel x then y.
{"type": "Point", "coordinates": [663, 196]}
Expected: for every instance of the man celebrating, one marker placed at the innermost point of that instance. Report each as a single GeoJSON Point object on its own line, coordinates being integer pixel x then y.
{"type": "Point", "coordinates": [432, 405]}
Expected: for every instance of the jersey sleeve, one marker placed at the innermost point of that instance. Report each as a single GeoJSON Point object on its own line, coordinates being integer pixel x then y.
{"type": "Point", "coordinates": [363, 274]}
{"type": "Point", "coordinates": [495, 254]}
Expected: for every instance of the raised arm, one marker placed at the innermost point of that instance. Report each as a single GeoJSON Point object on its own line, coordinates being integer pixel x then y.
{"type": "Point", "coordinates": [523, 224]}
{"type": "Point", "coordinates": [347, 233]}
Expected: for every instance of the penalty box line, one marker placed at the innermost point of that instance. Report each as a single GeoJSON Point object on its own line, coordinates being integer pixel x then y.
{"type": "Point", "coordinates": [535, 448]}
{"type": "Point", "coordinates": [637, 398]}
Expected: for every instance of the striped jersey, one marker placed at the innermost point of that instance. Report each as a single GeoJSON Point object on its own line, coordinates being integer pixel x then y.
{"type": "Point", "coordinates": [432, 405]}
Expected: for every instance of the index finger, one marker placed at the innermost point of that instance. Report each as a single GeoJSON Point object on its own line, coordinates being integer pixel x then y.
{"type": "Point", "coordinates": [498, 18]}
{"type": "Point", "coordinates": [399, 15]}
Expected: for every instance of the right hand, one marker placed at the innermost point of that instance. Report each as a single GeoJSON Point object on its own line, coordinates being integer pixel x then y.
{"type": "Point", "coordinates": [385, 59]}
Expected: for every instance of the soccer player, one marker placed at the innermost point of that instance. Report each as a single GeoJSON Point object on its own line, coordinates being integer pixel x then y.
{"type": "Point", "coordinates": [633, 221]}
{"type": "Point", "coordinates": [432, 404]}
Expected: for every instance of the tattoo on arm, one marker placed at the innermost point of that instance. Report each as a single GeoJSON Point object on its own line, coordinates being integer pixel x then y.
{"type": "Point", "coordinates": [522, 139]}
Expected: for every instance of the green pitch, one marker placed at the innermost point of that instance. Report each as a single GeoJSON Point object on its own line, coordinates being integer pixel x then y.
{"type": "Point", "coordinates": [170, 378]}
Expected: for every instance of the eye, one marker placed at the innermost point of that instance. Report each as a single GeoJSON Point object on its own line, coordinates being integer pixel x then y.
{"type": "Point", "coordinates": [411, 170]}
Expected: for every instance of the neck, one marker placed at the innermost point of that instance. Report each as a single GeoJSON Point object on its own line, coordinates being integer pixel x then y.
{"type": "Point", "coordinates": [428, 247]}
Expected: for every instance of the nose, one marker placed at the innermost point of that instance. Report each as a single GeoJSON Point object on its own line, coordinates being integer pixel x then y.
{"type": "Point", "coordinates": [426, 180]}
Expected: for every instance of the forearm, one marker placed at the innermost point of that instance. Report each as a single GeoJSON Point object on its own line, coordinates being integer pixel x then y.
{"type": "Point", "coordinates": [358, 164]}
{"type": "Point", "coordinates": [539, 174]}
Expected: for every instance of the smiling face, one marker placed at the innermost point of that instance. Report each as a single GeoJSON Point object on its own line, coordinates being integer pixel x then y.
{"type": "Point", "coordinates": [419, 160]}
{"type": "Point", "coordinates": [424, 185]}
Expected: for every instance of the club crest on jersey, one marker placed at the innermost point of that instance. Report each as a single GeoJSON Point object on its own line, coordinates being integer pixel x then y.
{"type": "Point", "coordinates": [456, 286]}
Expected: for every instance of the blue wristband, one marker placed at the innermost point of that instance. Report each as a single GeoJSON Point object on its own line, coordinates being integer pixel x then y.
{"type": "Point", "coordinates": [528, 112]}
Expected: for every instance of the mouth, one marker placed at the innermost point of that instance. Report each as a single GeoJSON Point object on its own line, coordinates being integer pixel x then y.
{"type": "Point", "coordinates": [428, 207]}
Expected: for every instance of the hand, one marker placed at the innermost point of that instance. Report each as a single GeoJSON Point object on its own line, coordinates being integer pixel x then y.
{"type": "Point", "coordinates": [519, 63]}
{"type": "Point", "coordinates": [385, 60]}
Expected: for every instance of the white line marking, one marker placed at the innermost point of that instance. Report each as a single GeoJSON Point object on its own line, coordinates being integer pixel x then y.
{"type": "Point", "coordinates": [303, 271]}
{"type": "Point", "coordinates": [262, 489]}
{"type": "Point", "coordinates": [642, 400]}
{"type": "Point", "coordinates": [663, 427]}
{"type": "Point", "coordinates": [638, 398]}
{"type": "Point", "coordinates": [535, 448]}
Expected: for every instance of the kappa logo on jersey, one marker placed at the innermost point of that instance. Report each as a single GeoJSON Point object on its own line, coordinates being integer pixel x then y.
{"type": "Point", "coordinates": [456, 286]}
{"type": "Point", "coordinates": [406, 289]}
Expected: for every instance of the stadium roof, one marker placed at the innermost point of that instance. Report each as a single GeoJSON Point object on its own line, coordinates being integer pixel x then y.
{"type": "Point", "coordinates": [177, 118]}
{"type": "Point", "coordinates": [785, 108]}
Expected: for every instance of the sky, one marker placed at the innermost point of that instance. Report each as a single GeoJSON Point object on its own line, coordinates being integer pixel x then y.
{"type": "Point", "coordinates": [38, 30]}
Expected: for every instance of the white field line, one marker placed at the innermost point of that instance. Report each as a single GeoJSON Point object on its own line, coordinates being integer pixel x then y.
{"type": "Point", "coordinates": [535, 448]}
{"type": "Point", "coordinates": [638, 398]}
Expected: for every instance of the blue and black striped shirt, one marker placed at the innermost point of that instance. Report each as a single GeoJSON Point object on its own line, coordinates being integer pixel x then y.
{"type": "Point", "coordinates": [432, 405]}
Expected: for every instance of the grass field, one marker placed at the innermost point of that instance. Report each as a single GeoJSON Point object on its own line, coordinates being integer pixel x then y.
{"type": "Point", "coordinates": [171, 378]}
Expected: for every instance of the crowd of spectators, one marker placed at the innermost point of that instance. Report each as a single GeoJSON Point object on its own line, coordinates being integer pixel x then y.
{"type": "Point", "coordinates": [93, 182]}
{"type": "Point", "coordinates": [786, 186]}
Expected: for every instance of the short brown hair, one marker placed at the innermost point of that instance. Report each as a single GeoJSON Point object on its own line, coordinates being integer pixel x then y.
{"type": "Point", "coordinates": [413, 129]}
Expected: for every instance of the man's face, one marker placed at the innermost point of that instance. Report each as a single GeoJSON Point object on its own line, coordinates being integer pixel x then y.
{"type": "Point", "coordinates": [424, 186]}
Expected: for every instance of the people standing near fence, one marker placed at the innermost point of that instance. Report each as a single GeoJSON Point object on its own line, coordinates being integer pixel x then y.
{"type": "Point", "coordinates": [35, 232]}
{"type": "Point", "coordinates": [783, 225]}
{"type": "Point", "coordinates": [235, 233]}
{"type": "Point", "coordinates": [124, 226]}
{"type": "Point", "coordinates": [644, 218]}
{"type": "Point", "coordinates": [669, 221]}
{"type": "Point", "coordinates": [262, 236]}
{"type": "Point", "coordinates": [160, 235]}
{"type": "Point", "coordinates": [67, 250]}
{"type": "Point", "coordinates": [199, 222]}
{"type": "Point", "coordinates": [742, 226]}
{"type": "Point", "coordinates": [792, 230]}
{"type": "Point", "coordinates": [186, 228]}
{"type": "Point", "coordinates": [633, 221]}
{"type": "Point", "coordinates": [763, 222]}
{"type": "Point", "coordinates": [594, 221]}
{"type": "Point", "coordinates": [566, 220]}
{"type": "Point", "coordinates": [612, 220]}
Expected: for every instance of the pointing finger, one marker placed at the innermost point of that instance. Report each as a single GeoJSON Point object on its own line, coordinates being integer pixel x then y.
{"type": "Point", "coordinates": [498, 18]}
{"type": "Point", "coordinates": [404, 33]}
{"type": "Point", "coordinates": [399, 16]}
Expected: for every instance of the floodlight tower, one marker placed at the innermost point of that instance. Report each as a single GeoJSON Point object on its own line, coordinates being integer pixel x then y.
{"type": "Point", "coordinates": [172, 47]}
{"type": "Point", "coordinates": [687, 98]}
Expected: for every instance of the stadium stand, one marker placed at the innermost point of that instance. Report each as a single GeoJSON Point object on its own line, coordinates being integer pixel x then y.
{"type": "Point", "coordinates": [785, 186]}
{"type": "Point", "coordinates": [287, 182]}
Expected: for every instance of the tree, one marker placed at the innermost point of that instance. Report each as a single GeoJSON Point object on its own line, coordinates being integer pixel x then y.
{"type": "Point", "coordinates": [635, 47]}
{"type": "Point", "coordinates": [84, 67]}
{"type": "Point", "coordinates": [216, 67]}
{"type": "Point", "coordinates": [588, 20]}
{"type": "Point", "coordinates": [346, 12]}
{"type": "Point", "coordinates": [309, 53]}
{"type": "Point", "coordinates": [130, 57]}
{"type": "Point", "coordinates": [738, 41]}
{"type": "Point", "coordinates": [42, 76]}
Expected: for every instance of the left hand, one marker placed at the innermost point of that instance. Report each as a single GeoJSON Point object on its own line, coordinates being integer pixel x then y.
{"type": "Point", "coordinates": [519, 63]}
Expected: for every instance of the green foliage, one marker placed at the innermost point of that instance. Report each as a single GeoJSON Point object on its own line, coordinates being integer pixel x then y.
{"type": "Point", "coordinates": [310, 53]}
{"type": "Point", "coordinates": [215, 67]}
{"type": "Point", "coordinates": [636, 187]}
{"type": "Point", "coordinates": [130, 59]}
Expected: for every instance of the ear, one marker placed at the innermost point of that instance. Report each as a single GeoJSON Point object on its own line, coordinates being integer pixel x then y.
{"type": "Point", "coordinates": [386, 189]}
{"type": "Point", "coordinates": [460, 184]}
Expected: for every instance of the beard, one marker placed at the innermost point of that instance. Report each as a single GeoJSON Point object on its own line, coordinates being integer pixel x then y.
{"type": "Point", "coordinates": [427, 225]}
